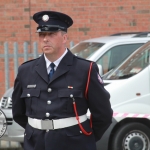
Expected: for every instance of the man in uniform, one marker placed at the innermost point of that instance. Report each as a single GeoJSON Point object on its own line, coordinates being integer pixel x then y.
{"type": "Point", "coordinates": [53, 93]}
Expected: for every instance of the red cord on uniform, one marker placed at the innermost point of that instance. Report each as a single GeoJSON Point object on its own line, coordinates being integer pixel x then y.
{"type": "Point", "coordinates": [91, 121]}
{"type": "Point", "coordinates": [77, 117]}
{"type": "Point", "coordinates": [88, 80]}
{"type": "Point", "coordinates": [87, 87]}
{"type": "Point", "coordinates": [74, 104]}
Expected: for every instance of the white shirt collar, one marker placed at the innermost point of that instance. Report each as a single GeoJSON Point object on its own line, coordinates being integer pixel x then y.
{"type": "Point", "coordinates": [56, 62]}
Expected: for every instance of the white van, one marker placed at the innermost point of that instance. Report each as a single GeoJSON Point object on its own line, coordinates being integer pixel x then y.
{"type": "Point", "coordinates": [107, 51]}
{"type": "Point", "coordinates": [129, 87]}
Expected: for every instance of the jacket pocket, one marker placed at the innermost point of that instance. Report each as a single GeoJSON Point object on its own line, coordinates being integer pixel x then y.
{"type": "Point", "coordinates": [27, 93]}
{"type": "Point", "coordinates": [66, 100]}
{"type": "Point", "coordinates": [31, 97]}
{"type": "Point", "coordinates": [68, 92]}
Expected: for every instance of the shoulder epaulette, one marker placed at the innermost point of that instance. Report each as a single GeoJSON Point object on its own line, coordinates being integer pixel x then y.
{"type": "Point", "coordinates": [29, 61]}
{"type": "Point", "coordinates": [82, 58]}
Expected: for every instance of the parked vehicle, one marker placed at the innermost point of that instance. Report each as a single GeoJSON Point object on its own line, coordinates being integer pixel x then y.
{"type": "Point", "coordinates": [14, 131]}
{"type": "Point", "coordinates": [129, 86]}
{"type": "Point", "coordinates": [108, 52]}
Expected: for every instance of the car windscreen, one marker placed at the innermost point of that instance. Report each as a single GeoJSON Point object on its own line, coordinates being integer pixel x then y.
{"type": "Point", "coordinates": [86, 49]}
{"type": "Point", "coordinates": [138, 61]}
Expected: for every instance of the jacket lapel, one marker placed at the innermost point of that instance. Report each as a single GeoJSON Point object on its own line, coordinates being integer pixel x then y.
{"type": "Point", "coordinates": [41, 68]}
{"type": "Point", "coordinates": [63, 66]}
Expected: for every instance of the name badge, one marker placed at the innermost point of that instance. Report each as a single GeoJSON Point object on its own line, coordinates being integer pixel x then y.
{"type": "Point", "coordinates": [31, 86]}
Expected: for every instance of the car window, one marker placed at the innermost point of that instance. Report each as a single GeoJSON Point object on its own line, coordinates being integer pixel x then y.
{"type": "Point", "coordinates": [114, 56]}
{"type": "Point", "coordinates": [86, 49]}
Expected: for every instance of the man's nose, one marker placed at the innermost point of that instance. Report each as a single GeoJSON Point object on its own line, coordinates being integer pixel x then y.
{"type": "Point", "coordinates": [45, 38]}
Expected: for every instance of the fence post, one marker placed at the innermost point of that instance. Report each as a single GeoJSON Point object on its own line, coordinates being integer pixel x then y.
{"type": "Point", "coordinates": [6, 65]}
{"type": "Point", "coordinates": [25, 45]}
{"type": "Point", "coordinates": [35, 50]}
{"type": "Point", "coordinates": [15, 58]}
{"type": "Point", "coordinates": [71, 44]}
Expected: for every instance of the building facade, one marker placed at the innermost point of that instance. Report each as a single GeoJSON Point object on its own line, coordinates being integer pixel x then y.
{"type": "Point", "coordinates": [92, 18]}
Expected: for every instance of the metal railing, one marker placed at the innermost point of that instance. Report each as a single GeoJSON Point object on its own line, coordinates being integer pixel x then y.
{"type": "Point", "coordinates": [26, 55]}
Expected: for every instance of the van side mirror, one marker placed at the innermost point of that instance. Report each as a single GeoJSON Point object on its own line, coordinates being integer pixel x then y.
{"type": "Point", "coordinates": [100, 69]}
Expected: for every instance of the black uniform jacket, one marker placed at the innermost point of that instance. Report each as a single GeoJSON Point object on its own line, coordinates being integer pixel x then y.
{"type": "Point", "coordinates": [72, 71]}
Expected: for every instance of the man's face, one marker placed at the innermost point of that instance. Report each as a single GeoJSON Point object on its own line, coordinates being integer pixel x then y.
{"type": "Point", "coordinates": [52, 42]}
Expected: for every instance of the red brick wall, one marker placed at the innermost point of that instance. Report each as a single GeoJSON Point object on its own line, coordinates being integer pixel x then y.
{"type": "Point", "coordinates": [92, 18]}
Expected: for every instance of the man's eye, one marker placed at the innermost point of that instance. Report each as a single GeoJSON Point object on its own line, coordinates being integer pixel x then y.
{"type": "Point", "coordinates": [41, 34]}
{"type": "Point", "coordinates": [51, 33]}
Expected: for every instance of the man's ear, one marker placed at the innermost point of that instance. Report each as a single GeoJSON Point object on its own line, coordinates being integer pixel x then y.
{"type": "Point", "coordinates": [65, 38]}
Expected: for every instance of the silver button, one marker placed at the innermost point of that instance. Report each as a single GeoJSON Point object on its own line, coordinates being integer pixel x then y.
{"type": "Point", "coordinates": [47, 114]}
{"type": "Point", "coordinates": [80, 131]}
{"type": "Point", "coordinates": [71, 95]}
{"type": "Point", "coordinates": [25, 134]}
{"type": "Point", "coordinates": [49, 102]}
{"type": "Point", "coordinates": [47, 130]}
{"type": "Point", "coordinates": [28, 95]}
{"type": "Point", "coordinates": [49, 90]}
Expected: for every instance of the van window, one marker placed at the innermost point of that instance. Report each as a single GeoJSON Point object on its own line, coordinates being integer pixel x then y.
{"type": "Point", "coordinates": [86, 49]}
{"type": "Point", "coordinates": [132, 65]}
{"type": "Point", "coordinates": [113, 57]}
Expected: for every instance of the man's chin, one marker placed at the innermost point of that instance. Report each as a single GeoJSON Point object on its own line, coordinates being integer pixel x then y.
{"type": "Point", "coordinates": [47, 51]}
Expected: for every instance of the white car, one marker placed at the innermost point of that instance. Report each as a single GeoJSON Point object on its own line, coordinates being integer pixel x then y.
{"type": "Point", "coordinates": [108, 52]}
{"type": "Point", "coordinates": [14, 131]}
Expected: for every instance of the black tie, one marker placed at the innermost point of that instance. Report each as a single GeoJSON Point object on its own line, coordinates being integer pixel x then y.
{"type": "Point", "coordinates": [52, 65]}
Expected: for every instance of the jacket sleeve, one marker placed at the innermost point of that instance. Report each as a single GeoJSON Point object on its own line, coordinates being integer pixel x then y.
{"type": "Point", "coordinates": [18, 104]}
{"type": "Point", "coordinates": [99, 104]}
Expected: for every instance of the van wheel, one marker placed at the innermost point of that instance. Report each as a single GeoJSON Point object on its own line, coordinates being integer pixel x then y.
{"type": "Point", "coordinates": [132, 136]}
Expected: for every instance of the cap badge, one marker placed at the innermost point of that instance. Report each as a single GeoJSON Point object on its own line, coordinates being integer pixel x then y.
{"type": "Point", "coordinates": [45, 18]}
{"type": "Point", "coordinates": [39, 30]}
